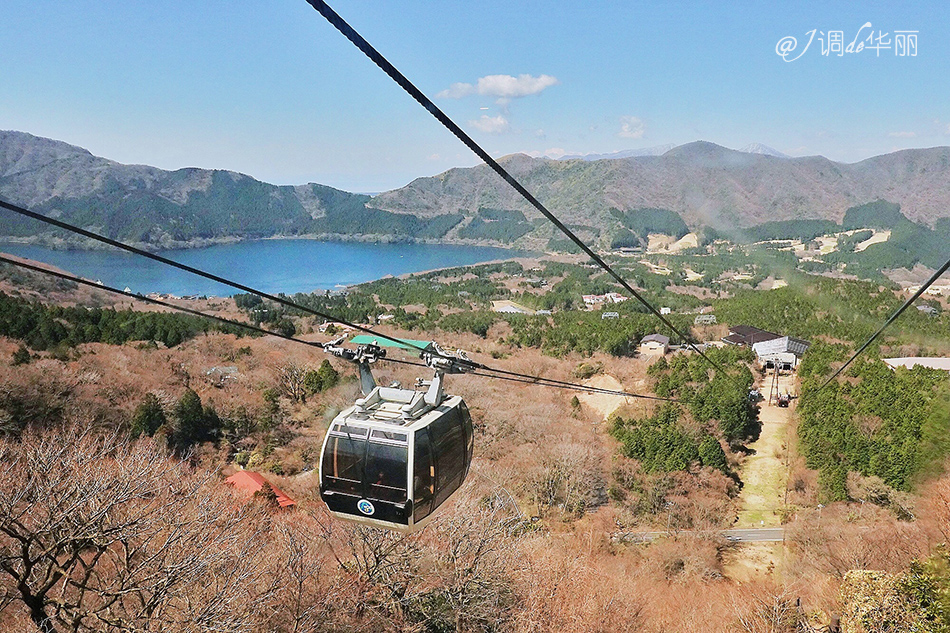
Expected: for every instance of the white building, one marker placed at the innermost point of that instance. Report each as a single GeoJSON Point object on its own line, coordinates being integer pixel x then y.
{"type": "Point", "coordinates": [654, 344]}
{"type": "Point", "coordinates": [784, 352]}
{"type": "Point", "coordinates": [511, 309]}
{"type": "Point", "coordinates": [911, 361]}
{"type": "Point", "coordinates": [610, 297]}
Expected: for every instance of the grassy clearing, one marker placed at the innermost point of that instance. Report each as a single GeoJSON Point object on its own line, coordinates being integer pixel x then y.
{"type": "Point", "coordinates": [764, 473]}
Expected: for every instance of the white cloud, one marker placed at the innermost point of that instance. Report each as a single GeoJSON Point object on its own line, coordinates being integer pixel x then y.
{"type": "Point", "coordinates": [434, 157]}
{"type": "Point", "coordinates": [631, 127]}
{"type": "Point", "coordinates": [539, 133]}
{"type": "Point", "coordinates": [903, 134]}
{"type": "Point", "coordinates": [456, 91]}
{"type": "Point", "coordinates": [491, 124]}
{"type": "Point", "coordinates": [508, 87]}
{"type": "Point", "coordinates": [504, 87]}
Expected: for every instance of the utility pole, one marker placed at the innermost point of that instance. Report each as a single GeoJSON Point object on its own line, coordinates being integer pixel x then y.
{"type": "Point", "coordinates": [773, 389]}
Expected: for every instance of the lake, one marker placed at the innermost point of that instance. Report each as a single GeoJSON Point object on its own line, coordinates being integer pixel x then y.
{"type": "Point", "coordinates": [282, 265]}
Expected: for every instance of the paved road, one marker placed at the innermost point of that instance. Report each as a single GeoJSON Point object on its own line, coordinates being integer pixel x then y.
{"type": "Point", "coordinates": [742, 535]}
{"type": "Point", "coordinates": [769, 535]}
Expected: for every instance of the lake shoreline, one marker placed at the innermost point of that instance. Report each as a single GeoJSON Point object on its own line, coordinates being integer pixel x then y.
{"type": "Point", "coordinates": [51, 242]}
{"type": "Point", "coordinates": [273, 265]}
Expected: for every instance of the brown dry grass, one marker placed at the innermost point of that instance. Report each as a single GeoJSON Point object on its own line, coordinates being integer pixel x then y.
{"type": "Point", "coordinates": [569, 575]}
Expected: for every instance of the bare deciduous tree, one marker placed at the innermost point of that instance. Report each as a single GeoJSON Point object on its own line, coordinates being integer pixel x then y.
{"type": "Point", "coordinates": [764, 609]}
{"type": "Point", "coordinates": [475, 554]}
{"type": "Point", "coordinates": [570, 477]}
{"type": "Point", "coordinates": [291, 381]}
{"type": "Point", "coordinates": [97, 533]}
{"type": "Point", "coordinates": [308, 593]}
{"type": "Point", "coordinates": [453, 575]}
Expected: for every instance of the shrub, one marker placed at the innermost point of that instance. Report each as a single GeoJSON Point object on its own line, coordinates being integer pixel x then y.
{"type": "Point", "coordinates": [21, 356]}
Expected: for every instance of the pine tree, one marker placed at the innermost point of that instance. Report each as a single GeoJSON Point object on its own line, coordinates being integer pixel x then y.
{"type": "Point", "coordinates": [148, 417]}
{"type": "Point", "coordinates": [329, 377]}
{"type": "Point", "coordinates": [190, 426]}
{"type": "Point", "coordinates": [711, 454]}
{"type": "Point", "coordinates": [21, 356]}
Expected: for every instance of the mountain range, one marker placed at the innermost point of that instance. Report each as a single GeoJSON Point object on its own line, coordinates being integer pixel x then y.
{"type": "Point", "coordinates": [759, 148]}
{"type": "Point", "coordinates": [657, 150]}
{"type": "Point", "coordinates": [701, 182]}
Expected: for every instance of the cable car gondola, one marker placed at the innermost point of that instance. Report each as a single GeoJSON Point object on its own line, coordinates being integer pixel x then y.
{"type": "Point", "coordinates": [397, 454]}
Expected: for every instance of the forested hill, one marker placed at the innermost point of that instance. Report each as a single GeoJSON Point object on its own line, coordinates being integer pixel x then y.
{"type": "Point", "coordinates": [706, 184]}
{"type": "Point", "coordinates": [143, 204]}
{"type": "Point", "coordinates": [693, 185]}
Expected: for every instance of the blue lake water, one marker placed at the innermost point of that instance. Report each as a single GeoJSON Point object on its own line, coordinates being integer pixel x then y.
{"type": "Point", "coordinates": [272, 266]}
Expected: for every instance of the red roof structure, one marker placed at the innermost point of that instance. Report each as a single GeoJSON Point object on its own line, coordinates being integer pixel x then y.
{"type": "Point", "coordinates": [253, 482]}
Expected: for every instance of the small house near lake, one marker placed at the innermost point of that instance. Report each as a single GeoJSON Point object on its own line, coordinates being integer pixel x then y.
{"type": "Point", "coordinates": [610, 297]}
{"type": "Point", "coordinates": [748, 335]}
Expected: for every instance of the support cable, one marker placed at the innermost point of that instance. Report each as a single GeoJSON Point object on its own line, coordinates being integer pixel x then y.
{"type": "Point", "coordinates": [377, 58]}
{"type": "Point", "coordinates": [940, 271]}
{"type": "Point", "coordinates": [510, 376]}
{"type": "Point", "coordinates": [195, 271]}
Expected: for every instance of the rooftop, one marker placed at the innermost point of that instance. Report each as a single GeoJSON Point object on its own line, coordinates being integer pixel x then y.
{"type": "Point", "coordinates": [252, 482]}
{"type": "Point", "coordinates": [911, 361]}
{"type": "Point", "coordinates": [748, 335]}
{"type": "Point", "coordinates": [781, 345]}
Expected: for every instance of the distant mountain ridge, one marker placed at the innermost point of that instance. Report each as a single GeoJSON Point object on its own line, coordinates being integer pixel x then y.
{"type": "Point", "coordinates": [706, 184]}
{"type": "Point", "coordinates": [701, 182]}
{"type": "Point", "coordinates": [184, 207]}
{"type": "Point", "coordinates": [759, 148]}
{"type": "Point", "coordinates": [657, 150]}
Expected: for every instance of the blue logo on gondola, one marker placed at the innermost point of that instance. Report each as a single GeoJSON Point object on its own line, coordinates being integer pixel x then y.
{"type": "Point", "coordinates": [366, 507]}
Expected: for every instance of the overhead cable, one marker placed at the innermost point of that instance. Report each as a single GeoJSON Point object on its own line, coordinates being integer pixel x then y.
{"type": "Point", "coordinates": [940, 271]}
{"type": "Point", "coordinates": [511, 376]}
{"type": "Point", "coordinates": [377, 58]}
{"type": "Point", "coordinates": [195, 271]}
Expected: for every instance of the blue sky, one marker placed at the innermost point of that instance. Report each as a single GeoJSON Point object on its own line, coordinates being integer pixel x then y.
{"type": "Point", "coordinates": [272, 90]}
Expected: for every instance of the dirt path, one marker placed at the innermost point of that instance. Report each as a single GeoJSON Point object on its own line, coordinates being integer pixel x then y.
{"type": "Point", "coordinates": [603, 403]}
{"type": "Point", "coordinates": [764, 473]}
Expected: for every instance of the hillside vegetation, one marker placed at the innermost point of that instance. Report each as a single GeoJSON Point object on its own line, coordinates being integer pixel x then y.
{"type": "Point", "coordinates": [98, 407]}
{"type": "Point", "coordinates": [613, 203]}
